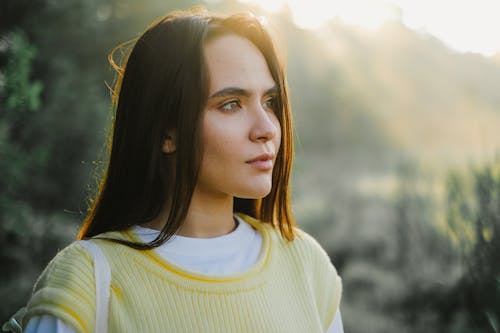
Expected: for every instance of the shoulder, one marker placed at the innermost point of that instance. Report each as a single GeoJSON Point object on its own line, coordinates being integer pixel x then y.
{"type": "Point", "coordinates": [321, 273]}
{"type": "Point", "coordinates": [66, 289]}
{"type": "Point", "coordinates": [304, 246]}
{"type": "Point", "coordinates": [311, 246]}
{"type": "Point", "coordinates": [312, 254]}
{"type": "Point", "coordinates": [316, 269]}
{"type": "Point", "coordinates": [72, 261]}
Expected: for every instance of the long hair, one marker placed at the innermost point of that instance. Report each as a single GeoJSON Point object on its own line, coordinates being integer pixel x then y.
{"type": "Point", "coordinates": [162, 86]}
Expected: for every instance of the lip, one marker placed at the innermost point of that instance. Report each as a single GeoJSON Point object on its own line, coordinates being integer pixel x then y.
{"type": "Point", "coordinates": [262, 162]}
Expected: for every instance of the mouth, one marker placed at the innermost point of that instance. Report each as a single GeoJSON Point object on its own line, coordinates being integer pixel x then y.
{"type": "Point", "coordinates": [262, 162]}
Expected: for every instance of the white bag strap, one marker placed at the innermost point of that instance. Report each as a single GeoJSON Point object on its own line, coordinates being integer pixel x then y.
{"type": "Point", "coordinates": [102, 285]}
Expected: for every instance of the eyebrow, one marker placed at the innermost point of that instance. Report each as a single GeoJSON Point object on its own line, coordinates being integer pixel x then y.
{"type": "Point", "coordinates": [232, 91]}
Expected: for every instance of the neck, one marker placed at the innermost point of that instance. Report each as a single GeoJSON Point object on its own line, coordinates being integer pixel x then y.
{"type": "Point", "coordinates": [208, 216]}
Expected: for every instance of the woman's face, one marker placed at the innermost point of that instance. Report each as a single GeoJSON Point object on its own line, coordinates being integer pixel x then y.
{"type": "Point", "coordinates": [241, 134]}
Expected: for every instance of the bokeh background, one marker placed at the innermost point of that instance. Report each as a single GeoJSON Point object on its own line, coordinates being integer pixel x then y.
{"type": "Point", "coordinates": [397, 170]}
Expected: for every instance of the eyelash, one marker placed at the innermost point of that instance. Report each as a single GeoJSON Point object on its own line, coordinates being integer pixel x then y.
{"type": "Point", "coordinates": [227, 105]}
{"type": "Point", "coordinates": [272, 100]}
{"type": "Point", "coordinates": [224, 106]}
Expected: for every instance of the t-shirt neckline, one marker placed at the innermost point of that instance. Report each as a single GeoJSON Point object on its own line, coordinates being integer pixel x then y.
{"type": "Point", "coordinates": [255, 269]}
{"type": "Point", "coordinates": [211, 247]}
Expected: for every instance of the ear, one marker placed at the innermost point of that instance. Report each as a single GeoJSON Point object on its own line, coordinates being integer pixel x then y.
{"type": "Point", "coordinates": [169, 144]}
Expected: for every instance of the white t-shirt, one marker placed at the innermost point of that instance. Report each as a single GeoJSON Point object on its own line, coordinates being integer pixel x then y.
{"type": "Point", "coordinates": [227, 254]}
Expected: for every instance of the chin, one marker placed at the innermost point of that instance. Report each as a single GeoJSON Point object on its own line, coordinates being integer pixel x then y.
{"type": "Point", "coordinates": [255, 193]}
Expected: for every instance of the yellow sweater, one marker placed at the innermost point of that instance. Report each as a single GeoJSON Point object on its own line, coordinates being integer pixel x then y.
{"type": "Point", "coordinates": [293, 287]}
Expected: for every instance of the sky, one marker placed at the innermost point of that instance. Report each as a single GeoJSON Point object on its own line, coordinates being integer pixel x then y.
{"type": "Point", "coordinates": [463, 25]}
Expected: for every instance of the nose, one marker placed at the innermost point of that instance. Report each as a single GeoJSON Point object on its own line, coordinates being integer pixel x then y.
{"type": "Point", "coordinates": [265, 124]}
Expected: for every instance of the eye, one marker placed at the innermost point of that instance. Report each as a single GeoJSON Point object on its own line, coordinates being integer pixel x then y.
{"type": "Point", "coordinates": [270, 103]}
{"type": "Point", "coordinates": [230, 106]}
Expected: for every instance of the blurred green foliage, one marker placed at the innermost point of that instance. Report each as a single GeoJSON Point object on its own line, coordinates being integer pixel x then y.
{"type": "Point", "coordinates": [478, 196]}
{"type": "Point", "coordinates": [23, 234]}
{"type": "Point", "coordinates": [417, 249]}
{"type": "Point", "coordinates": [21, 94]}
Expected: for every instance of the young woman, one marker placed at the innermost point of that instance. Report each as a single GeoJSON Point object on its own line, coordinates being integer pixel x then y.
{"type": "Point", "coordinates": [193, 212]}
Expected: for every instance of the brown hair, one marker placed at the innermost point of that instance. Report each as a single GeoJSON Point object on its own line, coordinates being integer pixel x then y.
{"type": "Point", "coordinates": [163, 86]}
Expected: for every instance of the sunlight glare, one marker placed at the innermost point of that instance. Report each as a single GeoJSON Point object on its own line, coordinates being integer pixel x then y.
{"type": "Point", "coordinates": [464, 26]}
{"type": "Point", "coordinates": [312, 14]}
{"type": "Point", "coordinates": [271, 6]}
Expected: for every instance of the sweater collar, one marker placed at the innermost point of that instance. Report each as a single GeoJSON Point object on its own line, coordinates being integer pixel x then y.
{"type": "Point", "coordinates": [258, 267]}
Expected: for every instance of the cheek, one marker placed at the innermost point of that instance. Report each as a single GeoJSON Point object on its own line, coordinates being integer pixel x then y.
{"type": "Point", "coordinates": [216, 135]}
{"type": "Point", "coordinates": [220, 146]}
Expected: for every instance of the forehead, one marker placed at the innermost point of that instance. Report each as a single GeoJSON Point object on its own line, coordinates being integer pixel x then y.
{"type": "Point", "coordinates": [234, 61]}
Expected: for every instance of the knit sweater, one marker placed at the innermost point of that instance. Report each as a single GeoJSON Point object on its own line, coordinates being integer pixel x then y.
{"type": "Point", "coordinates": [291, 288]}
